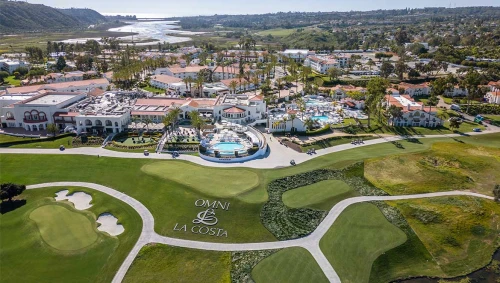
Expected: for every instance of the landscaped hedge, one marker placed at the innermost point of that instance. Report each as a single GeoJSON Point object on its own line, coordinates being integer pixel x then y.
{"type": "Point", "coordinates": [323, 130]}
{"type": "Point", "coordinates": [243, 262]}
{"type": "Point", "coordinates": [286, 223]}
{"type": "Point", "coordinates": [31, 140]}
{"type": "Point", "coordinates": [476, 109]}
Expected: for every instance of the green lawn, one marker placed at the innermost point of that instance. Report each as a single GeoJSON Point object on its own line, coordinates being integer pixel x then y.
{"type": "Point", "coordinates": [171, 201]}
{"type": "Point", "coordinates": [321, 195]}
{"type": "Point", "coordinates": [383, 128]}
{"type": "Point", "coordinates": [162, 263]}
{"type": "Point", "coordinates": [458, 235]}
{"type": "Point", "coordinates": [326, 143]}
{"type": "Point", "coordinates": [151, 149]}
{"type": "Point", "coordinates": [63, 229]}
{"type": "Point", "coordinates": [356, 239]}
{"type": "Point", "coordinates": [216, 182]}
{"type": "Point", "coordinates": [448, 166]}
{"type": "Point", "coordinates": [25, 254]}
{"type": "Point", "coordinates": [19, 142]}
{"type": "Point", "coordinates": [289, 266]}
{"type": "Point", "coordinates": [280, 32]}
{"type": "Point", "coordinates": [495, 119]}
{"type": "Point", "coordinates": [11, 80]}
{"type": "Point", "coordinates": [153, 89]}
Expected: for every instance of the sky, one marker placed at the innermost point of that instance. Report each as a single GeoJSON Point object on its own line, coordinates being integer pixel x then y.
{"type": "Point", "coordinates": [168, 8]}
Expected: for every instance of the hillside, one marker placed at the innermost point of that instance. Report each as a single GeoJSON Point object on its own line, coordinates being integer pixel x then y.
{"type": "Point", "coordinates": [84, 16]}
{"type": "Point", "coordinates": [22, 16]}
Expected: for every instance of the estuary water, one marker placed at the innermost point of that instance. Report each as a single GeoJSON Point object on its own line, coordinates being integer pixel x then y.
{"type": "Point", "coordinates": [148, 33]}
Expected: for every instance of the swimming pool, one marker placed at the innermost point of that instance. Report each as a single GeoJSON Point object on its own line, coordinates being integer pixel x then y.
{"type": "Point", "coordinates": [321, 118]}
{"type": "Point", "coordinates": [229, 147]}
{"type": "Point", "coordinates": [315, 102]}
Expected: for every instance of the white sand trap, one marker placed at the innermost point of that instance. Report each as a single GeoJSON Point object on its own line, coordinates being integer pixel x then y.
{"type": "Point", "coordinates": [80, 200]}
{"type": "Point", "coordinates": [109, 224]}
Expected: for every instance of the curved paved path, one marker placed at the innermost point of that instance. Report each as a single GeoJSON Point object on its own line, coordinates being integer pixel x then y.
{"type": "Point", "coordinates": [279, 155]}
{"type": "Point", "coordinates": [310, 242]}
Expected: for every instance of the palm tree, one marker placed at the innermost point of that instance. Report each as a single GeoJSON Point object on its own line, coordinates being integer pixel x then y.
{"type": "Point", "coordinates": [309, 123]}
{"type": "Point", "coordinates": [395, 112]}
{"type": "Point", "coordinates": [433, 101]}
{"type": "Point", "coordinates": [173, 116]}
{"type": "Point", "coordinates": [199, 85]}
{"type": "Point", "coordinates": [147, 121]}
{"type": "Point", "coordinates": [255, 82]}
{"type": "Point", "coordinates": [292, 118]}
{"type": "Point", "coordinates": [284, 120]}
{"type": "Point", "coordinates": [233, 85]}
{"type": "Point", "coordinates": [167, 121]}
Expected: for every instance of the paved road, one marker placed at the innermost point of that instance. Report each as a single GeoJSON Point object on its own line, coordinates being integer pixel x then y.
{"type": "Point", "coordinates": [279, 155]}
{"type": "Point", "coordinates": [311, 242]}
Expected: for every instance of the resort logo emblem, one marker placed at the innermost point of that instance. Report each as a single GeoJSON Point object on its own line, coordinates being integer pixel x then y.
{"type": "Point", "coordinates": [206, 217]}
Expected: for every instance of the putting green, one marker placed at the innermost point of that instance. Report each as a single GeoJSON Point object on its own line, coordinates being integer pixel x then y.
{"type": "Point", "coordinates": [289, 266]}
{"type": "Point", "coordinates": [315, 193]}
{"type": "Point", "coordinates": [356, 239]}
{"type": "Point", "coordinates": [215, 182]}
{"type": "Point", "coordinates": [64, 229]}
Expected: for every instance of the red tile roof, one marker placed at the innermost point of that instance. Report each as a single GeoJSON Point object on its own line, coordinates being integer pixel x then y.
{"type": "Point", "coordinates": [234, 109]}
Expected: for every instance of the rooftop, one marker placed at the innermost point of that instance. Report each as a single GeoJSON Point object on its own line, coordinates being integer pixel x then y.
{"type": "Point", "coordinates": [52, 99]}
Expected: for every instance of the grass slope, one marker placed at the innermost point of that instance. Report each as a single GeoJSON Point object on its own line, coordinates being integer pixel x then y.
{"type": "Point", "coordinates": [63, 229]}
{"type": "Point", "coordinates": [356, 239]}
{"type": "Point", "coordinates": [461, 233]}
{"type": "Point", "coordinates": [24, 255]}
{"type": "Point", "coordinates": [448, 166]}
{"type": "Point", "coordinates": [326, 192]}
{"type": "Point", "coordinates": [161, 263]}
{"type": "Point", "coordinates": [289, 266]}
{"type": "Point", "coordinates": [10, 141]}
{"type": "Point", "coordinates": [215, 182]}
{"type": "Point", "coordinates": [172, 202]}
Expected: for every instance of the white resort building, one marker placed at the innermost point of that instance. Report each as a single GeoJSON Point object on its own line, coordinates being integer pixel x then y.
{"type": "Point", "coordinates": [414, 114]}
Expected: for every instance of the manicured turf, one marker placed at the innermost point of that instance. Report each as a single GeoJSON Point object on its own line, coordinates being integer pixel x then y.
{"type": "Point", "coordinates": [11, 80]}
{"type": "Point", "coordinates": [356, 239]}
{"type": "Point", "coordinates": [276, 32]}
{"type": "Point", "coordinates": [161, 263]}
{"type": "Point", "coordinates": [210, 181]}
{"type": "Point", "coordinates": [337, 141]}
{"type": "Point", "coordinates": [63, 229]}
{"type": "Point", "coordinates": [10, 141]}
{"type": "Point", "coordinates": [289, 266]}
{"type": "Point", "coordinates": [172, 202]}
{"type": "Point", "coordinates": [25, 256]}
{"type": "Point", "coordinates": [448, 166]}
{"type": "Point", "coordinates": [325, 191]}
{"type": "Point", "coordinates": [461, 233]}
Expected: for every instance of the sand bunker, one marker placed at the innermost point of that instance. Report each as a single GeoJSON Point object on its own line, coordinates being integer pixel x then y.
{"type": "Point", "coordinates": [109, 224]}
{"type": "Point", "coordinates": [80, 200]}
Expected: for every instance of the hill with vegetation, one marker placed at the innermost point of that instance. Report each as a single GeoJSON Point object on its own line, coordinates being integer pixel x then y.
{"type": "Point", "coordinates": [84, 16]}
{"type": "Point", "coordinates": [22, 16]}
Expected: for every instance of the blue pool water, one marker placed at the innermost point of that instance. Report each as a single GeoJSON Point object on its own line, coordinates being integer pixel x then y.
{"type": "Point", "coordinates": [228, 146]}
{"type": "Point", "coordinates": [321, 118]}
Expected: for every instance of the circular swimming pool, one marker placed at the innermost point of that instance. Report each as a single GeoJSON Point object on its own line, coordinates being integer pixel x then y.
{"type": "Point", "coordinates": [229, 147]}
{"type": "Point", "coordinates": [321, 118]}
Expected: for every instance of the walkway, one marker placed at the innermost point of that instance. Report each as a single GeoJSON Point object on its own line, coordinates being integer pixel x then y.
{"type": "Point", "coordinates": [311, 242]}
{"type": "Point", "coordinates": [279, 155]}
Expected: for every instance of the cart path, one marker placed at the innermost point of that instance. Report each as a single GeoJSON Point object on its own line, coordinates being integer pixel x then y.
{"type": "Point", "coordinates": [310, 242]}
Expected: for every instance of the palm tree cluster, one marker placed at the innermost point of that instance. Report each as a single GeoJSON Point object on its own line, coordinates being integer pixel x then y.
{"type": "Point", "coordinates": [170, 120]}
{"type": "Point", "coordinates": [196, 121]}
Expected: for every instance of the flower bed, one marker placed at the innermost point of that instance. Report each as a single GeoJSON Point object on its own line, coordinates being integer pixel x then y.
{"type": "Point", "coordinates": [87, 141]}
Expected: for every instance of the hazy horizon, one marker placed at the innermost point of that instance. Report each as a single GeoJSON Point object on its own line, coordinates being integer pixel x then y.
{"type": "Point", "coordinates": [152, 8]}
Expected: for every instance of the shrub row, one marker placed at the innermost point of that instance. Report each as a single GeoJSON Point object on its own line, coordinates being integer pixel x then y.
{"type": "Point", "coordinates": [476, 109]}
{"type": "Point", "coordinates": [242, 264]}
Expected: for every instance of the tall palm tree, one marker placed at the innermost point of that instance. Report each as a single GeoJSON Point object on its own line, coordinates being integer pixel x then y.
{"type": "Point", "coordinates": [395, 112]}
{"type": "Point", "coordinates": [284, 120]}
{"type": "Point", "coordinates": [292, 118]}
{"type": "Point", "coordinates": [309, 123]}
{"type": "Point", "coordinates": [147, 121]}
{"type": "Point", "coordinates": [255, 82]}
{"type": "Point", "coordinates": [233, 85]}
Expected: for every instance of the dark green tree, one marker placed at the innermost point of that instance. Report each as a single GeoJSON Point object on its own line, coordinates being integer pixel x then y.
{"type": "Point", "coordinates": [61, 63]}
{"type": "Point", "coordinates": [10, 190]}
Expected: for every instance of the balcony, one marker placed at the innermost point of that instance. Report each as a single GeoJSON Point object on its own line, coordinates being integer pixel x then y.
{"type": "Point", "coordinates": [29, 121]}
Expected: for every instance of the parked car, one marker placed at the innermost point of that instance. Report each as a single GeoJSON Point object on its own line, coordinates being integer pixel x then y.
{"type": "Point", "coordinates": [146, 152]}
{"type": "Point", "coordinates": [455, 107]}
{"type": "Point", "coordinates": [477, 130]}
